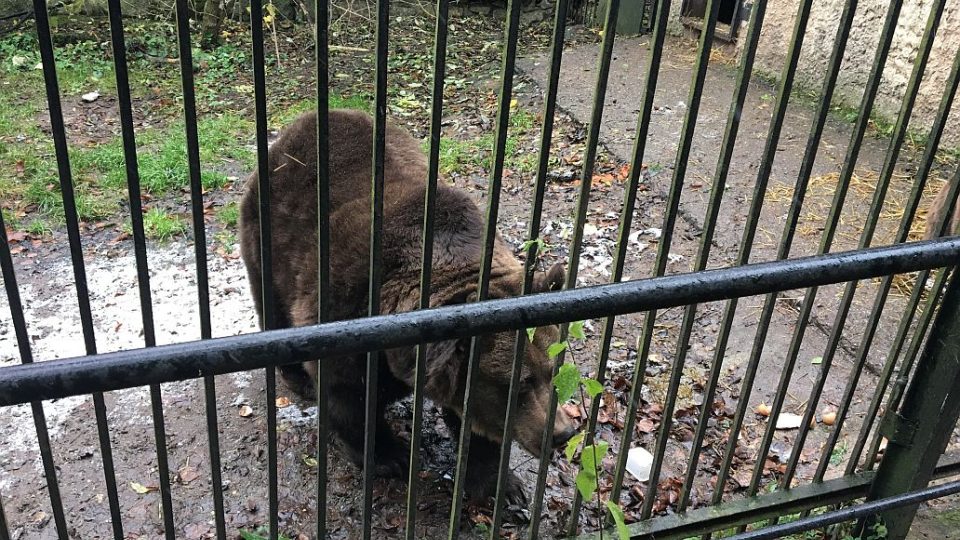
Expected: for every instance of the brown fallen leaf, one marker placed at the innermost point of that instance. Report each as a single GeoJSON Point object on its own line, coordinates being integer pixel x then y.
{"type": "Point", "coordinates": [16, 236]}
{"type": "Point", "coordinates": [120, 237]}
{"type": "Point", "coordinates": [245, 411]}
{"type": "Point", "coordinates": [645, 425]}
{"type": "Point", "coordinates": [187, 474]}
{"type": "Point", "coordinates": [282, 402]}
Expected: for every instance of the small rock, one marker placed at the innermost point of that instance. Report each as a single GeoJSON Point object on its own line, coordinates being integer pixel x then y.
{"type": "Point", "coordinates": [90, 97]}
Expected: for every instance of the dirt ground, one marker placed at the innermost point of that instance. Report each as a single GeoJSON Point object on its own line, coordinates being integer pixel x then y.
{"type": "Point", "coordinates": [46, 283]}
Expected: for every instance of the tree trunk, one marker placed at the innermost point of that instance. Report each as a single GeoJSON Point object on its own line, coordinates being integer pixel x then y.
{"type": "Point", "coordinates": [210, 26]}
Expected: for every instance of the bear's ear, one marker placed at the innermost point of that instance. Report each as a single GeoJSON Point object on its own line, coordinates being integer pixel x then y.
{"type": "Point", "coordinates": [446, 369]}
{"type": "Point", "coordinates": [551, 280]}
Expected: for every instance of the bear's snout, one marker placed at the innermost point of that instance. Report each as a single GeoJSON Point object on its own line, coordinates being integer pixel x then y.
{"type": "Point", "coordinates": [563, 428]}
{"type": "Point", "coordinates": [561, 437]}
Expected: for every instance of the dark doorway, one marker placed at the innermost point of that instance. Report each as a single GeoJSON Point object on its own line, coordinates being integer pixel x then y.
{"type": "Point", "coordinates": [693, 12]}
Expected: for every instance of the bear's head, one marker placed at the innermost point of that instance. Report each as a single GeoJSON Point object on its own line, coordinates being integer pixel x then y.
{"type": "Point", "coordinates": [447, 374]}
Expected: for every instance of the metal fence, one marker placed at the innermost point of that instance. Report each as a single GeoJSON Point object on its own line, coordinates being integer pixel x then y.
{"type": "Point", "coordinates": [918, 413]}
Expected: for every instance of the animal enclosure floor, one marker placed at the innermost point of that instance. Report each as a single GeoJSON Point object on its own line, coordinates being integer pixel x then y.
{"type": "Point", "coordinates": [46, 283]}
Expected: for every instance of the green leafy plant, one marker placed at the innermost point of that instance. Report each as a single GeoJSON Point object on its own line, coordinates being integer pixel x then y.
{"type": "Point", "coordinates": [567, 383]}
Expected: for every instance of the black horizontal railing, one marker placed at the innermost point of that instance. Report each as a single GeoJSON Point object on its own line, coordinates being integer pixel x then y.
{"type": "Point", "coordinates": [112, 371]}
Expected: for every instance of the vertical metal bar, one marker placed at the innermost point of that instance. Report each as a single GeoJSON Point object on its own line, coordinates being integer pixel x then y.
{"type": "Point", "coordinates": [426, 268]}
{"type": "Point", "coordinates": [26, 357]}
{"type": "Point", "coordinates": [927, 419]}
{"type": "Point", "coordinates": [717, 190]}
{"type": "Point", "coordinates": [375, 275]}
{"type": "Point", "coordinates": [583, 204]}
{"type": "Point", "coordinates": [870, 328]}
{"type": "Point", "coordinates": [322, 33]}
{"type": "Point", "coordinates": [833, 220]}
{"type": "Point", "coordinates": [200, 254]}
{"type": "Point", "coordinates": [880, 389]}
{"type": "Point", "coordinates": [140, 253]}
{"type": "Point", "coordinates": [866, 237]}
{"type": "Point", "coordinates": [927, 315]}
{"type": "Point", "coordinates": [76, 250]}
{"type": "Point", "coordinates": [760, 188]}
{"type": "Point", "coordinates": [783, 250]}
{"type": "Point", "coordinates": [669, 223]}
{"type": "Point", "coordinates": [529, 265]}
{"type": "Point", "coordinates": [626, 223]}
{"type": "Point", "coordinates": [486, 261]}
{"type": "Point", "coordinates": [266, 253]}
{"type": "Point", "coordinates": [4, 531]}
{"type": "Point", "coordinates": [896, 393]}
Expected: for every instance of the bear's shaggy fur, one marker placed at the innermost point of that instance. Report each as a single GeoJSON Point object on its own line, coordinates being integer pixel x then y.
{"type": "Point", "coordinates": [935, 212]}
{"type": "Point", "coordinates": [456, 260]}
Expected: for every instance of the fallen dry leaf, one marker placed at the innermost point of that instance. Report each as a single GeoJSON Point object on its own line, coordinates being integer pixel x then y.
{"type": "Point", "coordinates": [245, 411]}
{"type": "Point", "coordinates": [645, 425]}
{"type": "Point", "coordinates": [187, 474]}
{"type": "Point", "coordinates": [282, 402]}
{"type": "Point", "coordinates": [16, 236]}
{"type": "Point", "coordinates": [142, 489]}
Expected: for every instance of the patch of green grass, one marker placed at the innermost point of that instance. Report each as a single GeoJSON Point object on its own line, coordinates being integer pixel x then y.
{"type": "Point", "coordinates": [522, 119]}
{"type": "Point", "coordinates": [10, 221]}
{"type": "Point", "coordinates": [455, 154]}
{"type": "Point", "coordinates": [160, 225]}
{"type": "Point", "coordinates": [39, 227]}
{"type": "Point", "coordinates": [226, 238]}
{"type": "Point", "coordinates": [839, 451]}
{"type": "Point", "coordinates": [228, 214]}
{"type": "Point", "coordinates": [259, 534]}
{"type": "Point", "coordinates": [949, 517]}
{"type": "Point", "coordinates": [162, 156]}
{"type": "Point", "coordinates": [359, 102]}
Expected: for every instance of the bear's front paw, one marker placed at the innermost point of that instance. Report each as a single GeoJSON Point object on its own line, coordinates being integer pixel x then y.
{"type": "Point", "coordinates": [516, 495]}
{"type": "Point", "coordinates": [392, 459]}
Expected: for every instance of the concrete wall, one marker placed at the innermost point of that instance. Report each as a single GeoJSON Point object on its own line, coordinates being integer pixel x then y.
{"type": "Point", "coordinates": [860, 52]}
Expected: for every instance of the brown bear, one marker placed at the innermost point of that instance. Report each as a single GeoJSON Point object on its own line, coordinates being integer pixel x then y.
{"type": "Point", "coordinates": [938, 206]}
{"type": "Point", "coordinates": [458, 232]}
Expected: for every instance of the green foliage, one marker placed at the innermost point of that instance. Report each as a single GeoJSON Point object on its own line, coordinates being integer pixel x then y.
{"type": "Point", "coordinates": [538, 242]}
{"type": "Point", "coordinates": [836, 456]}
{"type": "Point", "coordinates": [160, 225]}
{"type": "Point", "coordinates": [566, 381]}
{"type": "Point", "coordinates": [555, 349]}
{"type": "Point", "coordinates": [590, 458]}
{"type": "Point", "coordinates": [573, 444]}
{"type": "Point", "coordinates": [359, 102]}
{"type": "Point", "coordinates": [617, 514]}
{"type": "Point", "coordinates": [259, 534]}
{"type": "Point", "coordinates": [530, 333]}
{"type": "Point", "coordinates": [229, 214]}
{"type": "Point", "coordinates": [39, 227]}
{"type": "Point", "coordinates": [592, 386]}
{"type": "Point", "coordinates": [576, 330]}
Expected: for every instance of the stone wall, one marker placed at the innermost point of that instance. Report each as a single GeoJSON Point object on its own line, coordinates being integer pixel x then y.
{"type": "Point", "coordinates": [860, 52]}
